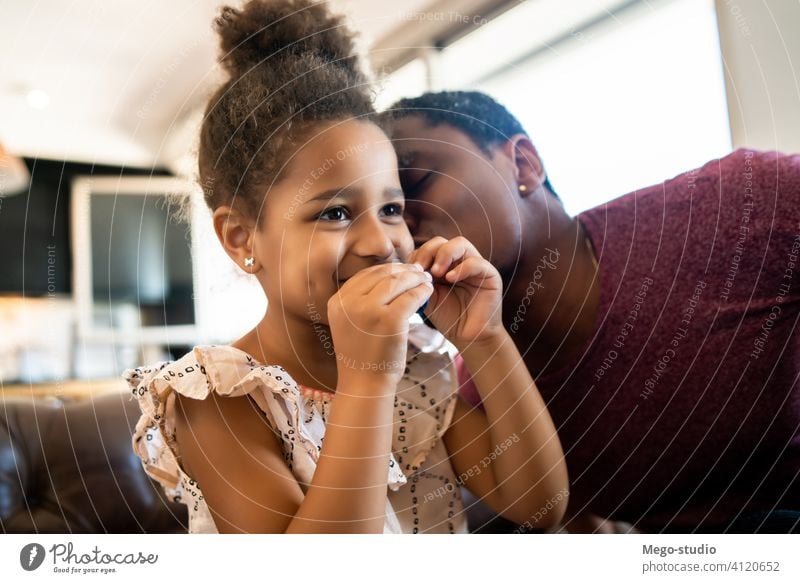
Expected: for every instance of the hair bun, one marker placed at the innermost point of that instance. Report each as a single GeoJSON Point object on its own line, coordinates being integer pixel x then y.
{"type": "Point", "coordinates": [292, 65]}
{"type": "Point", "coordinates": [270, 32]}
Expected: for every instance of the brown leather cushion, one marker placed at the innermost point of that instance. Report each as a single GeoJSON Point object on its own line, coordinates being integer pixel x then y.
{"type": "Point", "coordinates": [68, 467]}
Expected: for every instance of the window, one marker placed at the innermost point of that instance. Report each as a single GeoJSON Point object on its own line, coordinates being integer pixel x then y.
{"type": "Point", "coordinates": [615, 95]}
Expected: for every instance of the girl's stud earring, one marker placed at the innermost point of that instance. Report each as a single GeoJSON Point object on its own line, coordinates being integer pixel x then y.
{"type": "Point", "coordinates": [522, 188]}
{"type": "Point", "coordinates": [249, 261]}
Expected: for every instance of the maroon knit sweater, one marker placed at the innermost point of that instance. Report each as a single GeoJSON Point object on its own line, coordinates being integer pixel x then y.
{"type": "Point", "coordinates": [683, 409]}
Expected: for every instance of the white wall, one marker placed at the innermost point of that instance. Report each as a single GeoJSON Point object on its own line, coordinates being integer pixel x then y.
{"type": "Point", "coordinates": [760, 43]}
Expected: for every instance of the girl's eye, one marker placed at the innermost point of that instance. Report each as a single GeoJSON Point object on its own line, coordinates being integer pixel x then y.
{"type": "Point", "coordinates": [339, 213]}
{"type": "Point", "coordinates": [336, 213]}
{"type": "Point", "coordinates": [393, 210]}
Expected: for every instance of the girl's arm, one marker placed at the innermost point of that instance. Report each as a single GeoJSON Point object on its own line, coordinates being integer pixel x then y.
{"type": "Point", "coordinates": [237, 460]}
{"type": "Point", "coordinates": [510, 456]}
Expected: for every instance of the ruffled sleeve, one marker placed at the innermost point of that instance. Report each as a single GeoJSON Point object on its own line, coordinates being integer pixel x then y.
{"type": "Point", "coordinates": [226, 371]}
{"type": "Point", "coordinates": [147, 440]}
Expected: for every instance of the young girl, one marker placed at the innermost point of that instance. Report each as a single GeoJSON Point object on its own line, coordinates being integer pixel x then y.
{"type": "Point", "coordinates": [335, 413]}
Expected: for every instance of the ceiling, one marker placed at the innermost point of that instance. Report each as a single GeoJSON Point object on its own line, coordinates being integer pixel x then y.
{"type": "Point", "coordinates": [115, 81]}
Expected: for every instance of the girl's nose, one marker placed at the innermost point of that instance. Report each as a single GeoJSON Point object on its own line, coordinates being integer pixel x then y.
{"type": "Point", "coordinates": [371, 238]}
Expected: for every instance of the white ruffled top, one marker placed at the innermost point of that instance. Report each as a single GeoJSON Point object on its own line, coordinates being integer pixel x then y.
{"type": "Point", "coordinates": [422, 493]}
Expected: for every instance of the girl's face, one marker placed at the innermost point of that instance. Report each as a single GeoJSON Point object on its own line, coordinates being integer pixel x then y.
{"type": "Point", "coordinates": [337, 209]}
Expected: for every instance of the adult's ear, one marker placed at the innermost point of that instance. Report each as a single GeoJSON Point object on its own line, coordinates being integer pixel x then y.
{"type": "Point", "coordinates": [236, 232]}
{"type": "Point", "coordinates": [528, 167]}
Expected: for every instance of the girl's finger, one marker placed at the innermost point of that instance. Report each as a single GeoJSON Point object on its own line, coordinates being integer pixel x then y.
{"type": "Point", "coordinates": [424, 255]}
{"type": "Point", "coordinates": [365, 280]}
{"type": "Point", "coordinates": [470, 267]}
{"type": "Point", "coordinates": [391, 287]}
{"type": "Point", "coordinates": [411, 300]}
{"type": "Point", "coordinates": [451, 253]}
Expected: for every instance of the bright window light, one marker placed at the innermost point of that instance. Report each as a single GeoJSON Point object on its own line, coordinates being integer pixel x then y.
{"type": "Point", "coordinates": [629, 103]}
{"type": "Point", "coordinates": [408, 81]}
{"type": "Point", "coordinates": [615, 95]}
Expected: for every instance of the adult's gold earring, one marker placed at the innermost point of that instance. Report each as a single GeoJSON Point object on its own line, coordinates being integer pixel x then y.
{"type": "Point", "coordinates": [523, 188]}
{"type": "Point", "coordinates": [249, 261]}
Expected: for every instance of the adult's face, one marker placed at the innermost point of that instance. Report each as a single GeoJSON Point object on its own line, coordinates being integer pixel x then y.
{"type": "Point", "coordinates": [453, 188]}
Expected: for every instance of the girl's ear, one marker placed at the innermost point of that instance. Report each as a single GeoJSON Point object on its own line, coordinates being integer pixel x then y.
{"type": "Point", "coordinates": [236, 233]}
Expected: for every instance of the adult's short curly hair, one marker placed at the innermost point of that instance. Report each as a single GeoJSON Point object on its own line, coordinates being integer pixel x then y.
{"type": "Point", "coordinates": [291, 65]}
{"type": "Point", "coordinates": [485, 121]}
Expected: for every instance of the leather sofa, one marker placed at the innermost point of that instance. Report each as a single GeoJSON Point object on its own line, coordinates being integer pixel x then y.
{"type": "Point", "coordinates": [68, 467]}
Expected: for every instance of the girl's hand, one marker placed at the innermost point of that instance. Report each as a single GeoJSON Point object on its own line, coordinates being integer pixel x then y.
{"type": "Point", "coordinates": [369, 321]}
{"type": "Point", "coordinates": [467, 291]}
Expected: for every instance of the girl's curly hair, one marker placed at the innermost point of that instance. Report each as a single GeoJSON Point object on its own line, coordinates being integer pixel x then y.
{"type": "Point", "coordinates": [292, 64]}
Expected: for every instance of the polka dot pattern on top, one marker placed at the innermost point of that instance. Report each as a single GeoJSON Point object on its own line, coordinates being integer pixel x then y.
{"type": "Point", "coordinates": [422, 492]}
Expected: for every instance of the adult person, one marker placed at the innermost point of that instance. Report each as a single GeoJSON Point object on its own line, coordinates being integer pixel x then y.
{"type": "Point", "coordinates": [660, 327]}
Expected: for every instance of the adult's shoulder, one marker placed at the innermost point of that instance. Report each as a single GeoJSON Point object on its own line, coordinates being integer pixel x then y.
{"type": "Point", "coordinates": [763, 167]}
{"type": "Point", "coordinates": [769, 158]}
{"type": "Point", "coordinates": [743, 171]}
